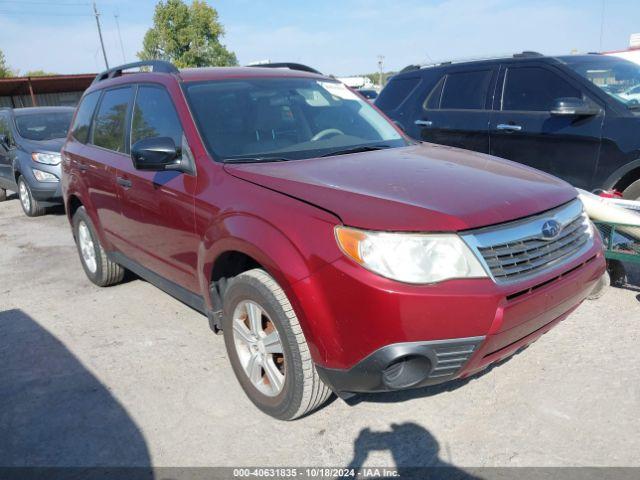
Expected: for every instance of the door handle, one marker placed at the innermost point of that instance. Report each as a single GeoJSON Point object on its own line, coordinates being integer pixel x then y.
{"type": "Point", "coordinates": [508, 127]}
{"type": "Point", "coordinates": [424, 123]}
{"type": "Point", "coordinates": [125, 183]}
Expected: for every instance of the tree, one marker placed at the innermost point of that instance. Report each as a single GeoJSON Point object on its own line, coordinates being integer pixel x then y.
{"type": "Point", "coordinates": [5, 71]}
{"type": "Point", "coordinates": [187, 35]}
{"type": "Point", "coordinates": [38, 73]}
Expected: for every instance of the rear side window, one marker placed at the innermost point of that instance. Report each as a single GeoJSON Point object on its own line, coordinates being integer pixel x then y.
{"type": "Point", "coordinates": [5, 129]}
{"type": "Point", "coordinates": [466, 90]}
{"type": "Point", "coordinates": [155, 116]}
{"type": "Point", "coordinates": [109, 122]}
{"type": "Point", "coordinates": [396, 92]}
{"type": "Point", "coordinates": [82, 122]}
{"type": "Point", "coordinates": [535, 89]}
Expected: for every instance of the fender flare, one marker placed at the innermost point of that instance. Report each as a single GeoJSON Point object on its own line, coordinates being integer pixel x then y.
{"type": "Point", "coordinates": [282, 260]}
{"type": "Point", "coordinates": [617, 175]}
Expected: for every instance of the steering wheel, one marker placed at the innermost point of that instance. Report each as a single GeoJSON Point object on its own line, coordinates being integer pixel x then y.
{"type": "Point", "coordinates": [325, 133]}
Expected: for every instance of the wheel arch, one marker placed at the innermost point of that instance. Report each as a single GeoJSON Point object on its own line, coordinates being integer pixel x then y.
{"type": "Point", "coordinates": [624, 176]}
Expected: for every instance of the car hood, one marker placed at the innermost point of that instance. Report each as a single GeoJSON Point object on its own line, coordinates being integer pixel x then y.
{"type": "Point", "coordinates": [53, 145]}
{"type": "Point", "coordinates": [423, 187]}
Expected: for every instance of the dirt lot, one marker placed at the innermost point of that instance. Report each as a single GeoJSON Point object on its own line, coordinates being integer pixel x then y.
{"type": "Point", "coordinates": [129, 376]}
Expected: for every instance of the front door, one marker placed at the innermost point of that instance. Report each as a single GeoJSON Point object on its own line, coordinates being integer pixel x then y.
{"type": "Point", "coordinates": [157, 207]}
{"type": "Point", "coordinates": [6, 152]}
{"type": "Point", "coordinates": [524, 130]}
{"type": "Point", "coordinates": [456, 111]}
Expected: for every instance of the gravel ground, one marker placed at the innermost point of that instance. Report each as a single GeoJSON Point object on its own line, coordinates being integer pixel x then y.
{"type": "Point", "coordinates": [127, 376]}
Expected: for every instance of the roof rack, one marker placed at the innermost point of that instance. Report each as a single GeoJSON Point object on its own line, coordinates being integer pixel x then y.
{"type": "Point", "coordinates": [525, 54]}
{"type": "Point", "coordinates": [289, 65]}
{"type": "Point", "coordinates": [161, 66]}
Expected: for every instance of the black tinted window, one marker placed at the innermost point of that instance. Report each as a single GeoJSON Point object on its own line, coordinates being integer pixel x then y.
{"type": "Point", "coordinates": [466, 90]}
{"type": "Point", "coordinates": [109, 123]}
{"type": "Point", "coordinates": [395, 93]}
{"type": "Point", "coordinates": [155, 116]}
{"type": "Point", "coordinates": [432, 102]}
{"type": "Point", "coordinates": [5, 129]}
{"type": "Point", "coordinates": [44, 126]}
{"type": "Point", "coordinates": [535, 89]}
{"type": "Point", "coordinates": [82, 122]}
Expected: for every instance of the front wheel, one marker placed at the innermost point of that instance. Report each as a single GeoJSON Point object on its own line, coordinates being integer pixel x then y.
{"type": "Point", "coordinates": [30, 205]}
{"type": "Point", "coordinates": [267, 348]}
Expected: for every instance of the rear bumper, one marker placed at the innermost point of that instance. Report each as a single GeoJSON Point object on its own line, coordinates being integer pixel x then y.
{"type": "Point", "coordinates": [458, 331]}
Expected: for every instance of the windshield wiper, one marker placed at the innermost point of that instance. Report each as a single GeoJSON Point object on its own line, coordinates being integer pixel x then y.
{"type": "Point", "coordinates": [256, 159]}
{"type": "Point", "coordinates": [362, 148]}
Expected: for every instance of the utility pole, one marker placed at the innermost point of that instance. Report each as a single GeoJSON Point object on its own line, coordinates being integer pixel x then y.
{"type": "Point", "coordinates": [381, 67]}
{"type": "Point", "coordinates": [124, 59]}
{"type": "Point", "coordinates": [104, 52]}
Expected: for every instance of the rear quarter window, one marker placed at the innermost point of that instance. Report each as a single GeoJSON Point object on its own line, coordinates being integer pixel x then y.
{"type": "Point", "coordinates": [396, 92]}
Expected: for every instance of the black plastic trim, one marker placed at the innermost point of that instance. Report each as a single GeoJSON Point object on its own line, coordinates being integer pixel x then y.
{"type": "Point", "coordinates": [367, 375]}
{"type": "Point", "coordinates": [187, 297]}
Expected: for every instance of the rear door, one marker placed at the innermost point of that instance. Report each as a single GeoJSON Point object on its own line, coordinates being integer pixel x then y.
{"type": "Point", "coordinates": [158, 207]}
{"type": "Point", "coordinates": [456, 111]}
{"type": "Point", "coordinates": [524, 130]}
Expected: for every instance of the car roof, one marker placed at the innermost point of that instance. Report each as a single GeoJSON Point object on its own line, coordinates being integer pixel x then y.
{"type": "Point", "coordinates": [518, 58]}
{"type": "Point", "coordinates": [223, 73]}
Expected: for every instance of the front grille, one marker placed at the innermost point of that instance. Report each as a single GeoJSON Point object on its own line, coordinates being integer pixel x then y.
{"type": "Point", "coordinates": [519, 250]}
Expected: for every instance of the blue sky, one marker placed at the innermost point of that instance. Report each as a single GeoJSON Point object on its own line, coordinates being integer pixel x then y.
{"type": "Point", "coordinates": [339, 37]}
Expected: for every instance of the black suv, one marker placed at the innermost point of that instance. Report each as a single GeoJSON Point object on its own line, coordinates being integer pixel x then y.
{"type": "Point", "coordinates": [577, 117]}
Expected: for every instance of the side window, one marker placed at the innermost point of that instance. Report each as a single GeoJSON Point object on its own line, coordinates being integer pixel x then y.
{"type": "Point", "coordinates": [109, 122]}
{"type": "Point", "coordinates": [155, 116]}
{"type": "Point", "coordinates": [432, 102]}
{"type": "Point", "coordinates": [535, 89]}
{"type": "Point", "coordinates": [466, 90]}
{"type": "Point", "coordinates": [82, 122]}
{"type": "Point", "coordinates": [395, 93]}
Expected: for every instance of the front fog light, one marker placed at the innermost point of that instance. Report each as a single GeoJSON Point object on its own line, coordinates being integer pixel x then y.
{"type": "Point", "coordinates": [410, 257]}
{"type": "Point", "coordinates": [44, 176]}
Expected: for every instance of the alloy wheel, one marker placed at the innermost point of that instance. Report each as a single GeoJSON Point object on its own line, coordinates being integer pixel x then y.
{"type": "Point", "coordinates": [259, 348]}
{"type": "Point", "coordinates": [86, 247]}
{"type": "Point", "coordinates": [23, 192]}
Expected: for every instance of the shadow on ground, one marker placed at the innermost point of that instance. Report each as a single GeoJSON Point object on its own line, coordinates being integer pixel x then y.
{"type": "Point", "coordinates": [53, 411]}
{"type": "Point", "coordinates": [412, 448]}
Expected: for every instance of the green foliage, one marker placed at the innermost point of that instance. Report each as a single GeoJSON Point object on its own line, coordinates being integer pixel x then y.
{"type": "Point", "coordinates": [38, 73]}
{"type": "Point", "coordinates": [5, 71]}
{"type": "Point", "coordinates": [187, 35]}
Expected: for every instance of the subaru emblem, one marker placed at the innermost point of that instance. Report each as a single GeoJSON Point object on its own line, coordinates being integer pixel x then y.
{"type": "Point", "coordinates": [550, 229]}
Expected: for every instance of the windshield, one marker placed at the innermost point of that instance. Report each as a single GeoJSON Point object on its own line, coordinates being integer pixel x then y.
{"type": "Point", "coordinates": [617, 77]}
{"type": "Point", "coordinates": [43, 126]}
{"type": "Point", "coordinates": [285, 119]}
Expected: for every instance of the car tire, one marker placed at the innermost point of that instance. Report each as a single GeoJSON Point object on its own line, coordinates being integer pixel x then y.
{"type": "Point", "coordinates": [256, 309]}
{"type": "Point", "coordinates": [617, 273]}
{"type": "Point", "coordinates": [3, 194]}
{"type": "Point", "coordinates": [30, 205]}
{"type": "Point", "coordinates": [632, 192]}
{"type": "Point", "coordinates": [100, 270]}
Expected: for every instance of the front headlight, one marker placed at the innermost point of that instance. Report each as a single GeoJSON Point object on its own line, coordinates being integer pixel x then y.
{"type": "Point", "coordinates": [46, 158]}
{"type": "Point", "coordinates": [410, 257]}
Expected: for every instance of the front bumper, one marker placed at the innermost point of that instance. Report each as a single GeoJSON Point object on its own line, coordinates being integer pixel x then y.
{"type": "Point", "coordinates": [386, 336]}
{"type": "Point", "coordinates": [47, 193]}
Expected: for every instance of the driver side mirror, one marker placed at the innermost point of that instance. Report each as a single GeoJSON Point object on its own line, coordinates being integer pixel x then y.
{"type": "Point", "coordinates": [573, 107]}
{"type": "Point", "coordinates": [156, 154]}
{"type": "Point", "coordinates": [4, 141]}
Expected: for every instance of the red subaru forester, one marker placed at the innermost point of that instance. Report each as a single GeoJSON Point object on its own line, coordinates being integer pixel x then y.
{"type": "Point", "coordinates": [333, 252]}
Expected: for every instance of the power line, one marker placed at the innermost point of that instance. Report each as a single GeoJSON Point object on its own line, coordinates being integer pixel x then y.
{"type": "Point", "coordinates": [124, 59]}
{"type": "Point", "coordinates": [45, 14]}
